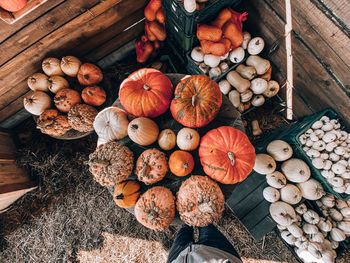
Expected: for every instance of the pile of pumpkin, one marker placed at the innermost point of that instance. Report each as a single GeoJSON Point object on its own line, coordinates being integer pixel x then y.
{"type": "Point", "coordinates": [314, 237]}
{"type": "Point", "coordinates": [69, 112]}
{"type": "Point", "coordinates": [225, 153]}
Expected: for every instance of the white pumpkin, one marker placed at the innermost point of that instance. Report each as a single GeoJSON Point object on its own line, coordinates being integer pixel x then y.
{"type": "Point", "coordinates": [311, 217]}
{"type": "Point", "coordinates": [264, 164]}
{"type": "Point", "coordinates": [325, 225]}
{"type": "Point", "coordinates": [337, 234]}
{"type": "Point", "coordinates": [290, 194]}
{"type": "Point", "coordinates": [335, 215]}
{"type": "Point", "coordinates": [315, 249]}
{"type": "Point", "coordinates": [318, 238]}
{"type": "Point", "coordinates": [258, 85]}
{"type": "Point", "coordinates": [311, 189]}
{"type": "Point", "coordinates": [295, 230]}
{"type": "Point", "coordinates": [256, 45]}
{"type": "Point", "coordinates": [288, 237]}
{"type": "Point", "coordinates": [111, 124]}
{"type": "Point", "coordinates": [279, 150]}
{"type": "Point", "coordinates": [296, 170]}
{"type": "Point", "coordinates": [271, 194]}
{"type": "Point", "coordinates": [51, 67]}
{"type": "Point", "coordinates": [328, 200]}
{"type": "Point", "coordinates": [301, 209]}
{"type": "Point", "coordinates": [310, 229]}
{"type": "Point", "coordinates": [282, 213]}
{"type": "Point", "coordinates": [36, 102]}
{"type": "Point", "coordinates": [276, 179]}
{"type": "Point", "coordinates": [344, 226]}
{"type": "Point", "coordinates": [38, 82]}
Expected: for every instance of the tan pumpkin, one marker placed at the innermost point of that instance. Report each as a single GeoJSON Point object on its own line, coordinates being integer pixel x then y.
{"type": "Point", "coordinates": [36, 102]}
{"type": "Point", "coordinates": [126, 193]}
{"type": "Point", "coordinates": [187, 139]}
{"type": "Point", "coordinates": [111, 163]}
{"type": "Point", "coordinates": [155, 209]}
{"type": "Point", "coordinates": [143, 131]}
{"type": "Point", "coordinates": [181, 163]}
{"type": "Point", "coordinates": [70, 65]}
{"type": "Point", "coordinates": [51, 67]}
{"type": "Point", "coordinates": [81, 117]}
{"type": "Point", "coordinates": [57, 83]}
{"type": "Point", "coordinates": [151, 166]}
{"type": "Point", "coordinates": [200, 201]}
{"type": "Point", "coordinates": [65, 99]}
{"type": "Point", "coordinates": [38, 82]}
{"type": "Point", "coordinates": [167, 139]}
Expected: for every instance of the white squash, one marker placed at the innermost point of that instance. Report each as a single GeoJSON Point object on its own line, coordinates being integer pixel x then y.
{"type": "Point", "coordinates": [272, 89]}
{"type": "Point", "coordinates": [237, 55]}
{"type": "Point", "coordinates": [258, 85]}
{"type": "Point", "coordinates": [325, 225]}
{"type": "Point", "coordinates": [318, 238]}
{"type": "Point", "coordinates": [36, 102]}
{"type": "Point", "coordinates": [301, 244]}
{"type": "Point", "coordinates": [224, 86]}
{"type": "Point", "coordinates": [211, 60]}
{"type": "Point", "coordinates": [197, 54]}
{"type": "Point", "coordinates": [214, 72]}
{"type": "Point", "coordinates": [111, 124]}
{"type": "Point", "coordinates": [337, 234]}
{"type": "Point", "coordinates": [258, 100]}
{"type": "Point", "coordinates": [340, 204]}
{"type": "Point", "coordinates": [282, 213]}
{"type": "Point", "coordinates": [310, 229]}
{"type": "Point", "coordinates": [345, 211]}
{"type": "Point", "coordinates": [56, 83]}
{"type": "Point", "coordinates": [190, 5]}
{"type": "Point", "coordinates": [70, 65]}
{"type": "Point", "coordinates": [246, 95]}
{"type": "Point", "coordinates": [264, 164]}
{"type": "Point", "coordinates": [315, 250]}
{"type": "Point", "coordinates": [311, 189]}
{"type": "Point", "coordinates": [305, 255]}
{"type": "Point", "coordinates": [256, 45]}
{"type": "Point", "coordinates": [290, 194]}
{"type": "Point", "coordinates": [344, 226]}
{"type": "Point", "coordinates": [276, 179]}
{"type": "Point", "coordinates": [235, 98]}
{"type": "Point", "coordinates": [338, 168]}
{"type": "Point", "coordinates": [51, 67]}
{"type": "Point", "coordinates": [288, 237]}
{"type": "Point", "coordinates": [296, 170]}
{"type": "Point", "coordinates": [279, 150]}
{"type": "Point", "coordinates": [246, 38]}
{"type": "Point", "coordinates": [335, 215]}
{"type": "Point", "coordinates": [295, 230]}
{"type": "Point", "coordinates": [336, 181]}
{"type": "Point", "coordinates": [319, 163]}
{"type": "Point", "coordinates": [38, 82]}
{"type": "Point", "coordinates": [311, 217]}
{"type": "Point", "coordinates": [328, 200]}
{"type": "Point", "coordinates": [301, 209]}
{"type": "Point", "coordinates": [271, 194]}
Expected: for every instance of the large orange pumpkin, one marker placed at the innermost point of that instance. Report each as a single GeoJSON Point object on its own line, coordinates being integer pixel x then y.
{"type": "Point", "coordinates": [226, 155]}
{"type": "Point", "coordinates": [13, 5]}
{"type": "Point", "coordinates": [146, 93]}
{"type": "Point", "coordinates": [197, 101]}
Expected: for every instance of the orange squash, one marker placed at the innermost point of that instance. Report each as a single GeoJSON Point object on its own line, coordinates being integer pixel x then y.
{"type": "Point", "coordinates": [89, 74]}
{"type": "Point", "coordinates": [126, 193]}
{"type": "Point", "coordinates": [93, 95]}
{"type": "Point", "coordinates": [181, 163]}
{"type": "Point", "coordinates": [146, 93]}
{"type": "Point", "coordinates": [13, 5]}
{"type": "Point", "coordinates": [226, 155]}
{"type": "Point", "coordinates": [197, 101]}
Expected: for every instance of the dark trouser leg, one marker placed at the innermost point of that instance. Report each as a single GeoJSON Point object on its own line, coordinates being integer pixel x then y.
{"type": "Point", "coordinates": [212, 237]}
{"type": "Point", "coordinates": [183, 239]}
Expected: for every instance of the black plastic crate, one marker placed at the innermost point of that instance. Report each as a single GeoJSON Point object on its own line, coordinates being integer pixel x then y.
{"type": "Point", "coordinates": [187, 22]}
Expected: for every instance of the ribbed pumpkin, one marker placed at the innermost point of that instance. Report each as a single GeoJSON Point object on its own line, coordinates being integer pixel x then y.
{"type": "Point", "coordinates": [226, 155]}
{"type": "Point", "coordinates": [126, 193]}
{"type": "Point", "coordinates": [146, 93]}
{"type": "Point", "coordinates": [197, 101]}
{"type": "Point", "coordinates": [13, 5]}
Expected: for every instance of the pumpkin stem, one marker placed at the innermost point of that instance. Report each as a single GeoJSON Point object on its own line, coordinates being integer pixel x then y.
{"type": "Point", "coordinates": [185, 165]}
{"type": "Point", "coordinates": [193, 100]}
{"type": "Point", "coordinates": [89, 93]}
{"type": "Point", "coordinates": [118, 197]}
{"type": "Point", "coordinates": [86, 77]}
{"type": "Point", "coordinates": [146, 87]}
{"type": "Point", "coordinates": [134, 126]}
{"type": "Point", "coordinates": [33, 79]}
{"type": "Point", "coordinates": [231, 157]}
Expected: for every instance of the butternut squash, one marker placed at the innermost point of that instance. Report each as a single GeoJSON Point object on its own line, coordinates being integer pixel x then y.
{"type": "Point", "coordinates": [247, 72]}
{"type": "Point", "coordinates": [237, 81]}
{"type": "Point", "coordinates": [261, 65]}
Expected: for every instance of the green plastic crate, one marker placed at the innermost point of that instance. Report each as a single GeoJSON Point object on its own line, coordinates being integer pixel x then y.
{"type": "Point", "coordinates": [175, 34]}
{"type": "Point", "coordinates": [293, 138]}
{"type": "Point", "coordinates": [187, 22]}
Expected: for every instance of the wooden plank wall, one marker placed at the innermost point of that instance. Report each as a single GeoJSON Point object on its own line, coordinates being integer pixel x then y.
{"type": "Point", "coordinates": [321, 50]}
{"type": "Point", "coordinates": [89, 29]}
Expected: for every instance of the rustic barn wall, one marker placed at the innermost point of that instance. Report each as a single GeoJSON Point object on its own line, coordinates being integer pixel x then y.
{"type": "Point", "coordinates": [321, 49]}
{"type": "Point", "coordinates": [89, 29]}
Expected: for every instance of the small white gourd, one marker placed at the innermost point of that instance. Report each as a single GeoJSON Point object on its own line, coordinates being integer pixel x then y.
{"type": "Point", "coordinates": [319, 145]}
{"type": "Point", "coordinates": [204, 68]}
{"type": "Point", "coordinates": [272, 89]}
{"type": "Point", "coordinates": [224, 66]}
{"type": "Point", "coordinates": [296, 170]}
{"type": "Point", "coordinates": [325, 225]}
{"type": "Point", "coordinates": [340, 150]}
{"type": "Point", "coordinates": [328, 200]}
{"type": "Point", "coordinates": [302, 139]}
{"type": "Point", "coordinates": [290, 194]}
{"type": "Point", "coordinates": [311, 189]}
{"type": "Point", "coordinates": [340, 189]}
{"type": "Point", "coordinates": [335, 214]}
{"type": "Point", "coordinates": [271, 194]}
{"type": "Point", "coordinates": [337, 234]}
{"type": "Point", "coordinates": [317, 125]}
{"type": "Point", "coordinates": [237, 55]}
{"type": "Point", "coordinates": [302, 244]}
{"type": "Point", "coordinates": [336, 181]}
{"type": "Point", "coordinates": [318, 237]}
{"type": "Point", "coordinates": [288, 237]}
{"type": "Point", "coordinates": [314, 137]}
{"type": "Point", "coordinates": [334, 157]}
{"type": "Point", "coordinates": [328, 256]}
{"type": "Point", "coordinates": [327, 126]}
{"type": "Point", "coordinates": [301, 209]}
{"type": "Point", "coordinates": [295, 230]}
{"type": "Point", "coordinates": [258, 85]}
{"type": "Point", "coordinates": [305, 255]}
{"type": "Point", "coordinates": [282, 213]}
{"type": "Point", "coordinates": [308, 132]}
{"type": "Point", "coordinates": [319, 163]}
{"type": "Point", "coordinates": [224, 86]}
{"type": "Point", "coordinates": [327, 165]}
{"type": "Point", "coordinates": [344, 226]}
{"type": "Point", "coordinates": [338, 168]}
{"type": "Point", "coordinates": [276, 179]}
{"type": "Point", "coordinates": [211, 60]}
{"type": "Point", "coordinates": [246, 95]}
{"type": "Point", "coordinates": [340, 204]}
{"type": "Point", "coordinates": [256, 45]}
{"type": "Point", "coordinates": [197, 54]}
{"type": "Point", "coordinates": [246, 39]}
{"type": "Point", "coordinates": [315, 249]}
{"type": "Point", "coordinates": [335, 123]}
{"type": "Point", "coordinates": [319, 133]}
{"type": "Point", "coordinates": [264, 164]}
{"type": "Point", "coordinates": [345, 211]}
{"type": "Point", "coordinates": [235, 98]}
{"type": "Point", "coordinates": [313, 153]}
{"type": "Point", "coordinates": [329, 137]}
{"type": "Point", "coordinates": [310, 229]}
{"type": "Point", "coordinates": [327, 174]}
{"type": "Point", "coordinates": [330, 146]}
{"type": "Point", "coordinates": [309, 142]}
{"type": "Point", "coordinates": [311, 217]}
{"type": "Point", "coordinates": [280, 227]}
{"type": "Point", "coordinates": [279, 150]}
{"type": "Point", "coordinates": [214, 73]}
{"type": "Point", "coordinates": [258, 100]}
{"type": "Point", "coordinates": [324, 156]}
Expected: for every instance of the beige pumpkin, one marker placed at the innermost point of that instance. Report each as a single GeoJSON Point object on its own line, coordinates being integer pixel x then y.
{"type": "Point", "coordinates": [57, 83]}
{"type": "Point", "coordinates": [51, 67]}
{"type": "Point", "coordinates": [38, 82]}
{"type": "Point", "coordinates": [264, 164]}
{"type": "Point", "coordinates": [167, 139]}
{"type": "Point", "coordinates": [187, 139]}
{"type": "Point", "coordinates": [70, 65]}
{"type": "Point", "coordinates": [143, 131]}
{"type": "Point", "coordinates": [111, 124]}
{"type": "Point", "coordinates": [36, 102]}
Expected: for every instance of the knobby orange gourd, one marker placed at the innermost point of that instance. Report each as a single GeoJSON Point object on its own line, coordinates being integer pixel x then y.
{"type": "Point", "coordinates": [227, 155]}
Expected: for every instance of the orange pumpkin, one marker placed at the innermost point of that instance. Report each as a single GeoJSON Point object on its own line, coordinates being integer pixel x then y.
{"type": "Point", "coordinates": [93, 95]}
{"type": "Point", "coordinates": [89, 74]}
{"type": "Point", "coordinates": [181, 163]}
{"type": "Point", "coordinates": [126, 193]}
{"type": "Point", "coordinates": [146, 93]}
{"type": "Point", "coordinates": [13, 5]}
{"type": "Point", "coordinates": [197, 101]}
{"type": "Point", "coordinates": [226, 155]}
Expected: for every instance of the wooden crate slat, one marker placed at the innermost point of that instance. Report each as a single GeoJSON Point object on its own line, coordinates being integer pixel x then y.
{"type": "Point", "coordinates": [255, 216]}
{"type": "Point", "coordinates": [264, 226]}
{"type": "Point", "coordinates": [8, 178]}
{"type": "Point", "coordinates": [340, 8]}
{"type": "Point", "coordinates": [7, 199]}
{"type": "Point", "coordinates": [245, 188]}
